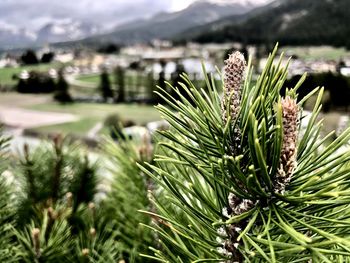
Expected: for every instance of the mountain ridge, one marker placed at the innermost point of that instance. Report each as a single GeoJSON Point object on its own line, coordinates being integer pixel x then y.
{"type": "Point", "coordinates": [166, 25]}
{"type": "Point", "coordinates": [290, 22]}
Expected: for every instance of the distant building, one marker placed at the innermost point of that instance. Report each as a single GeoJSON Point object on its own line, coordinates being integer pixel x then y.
{"type": "Point", "coordinates": [64, 57]}
{"type": "Point", "coordinates": [8, 61]}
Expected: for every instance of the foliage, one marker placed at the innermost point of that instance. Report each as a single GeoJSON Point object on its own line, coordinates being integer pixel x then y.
{"type": "Point", "coordinates": [109, 48]}
{"type": "Point", "coordinates": [55, 240]}
{"type": "Point", "coordinates": [128, 195]}
{"type": "Point", "coordinates": [47, 57]}
{"type": "Point", "coordinates": [56, 219]}
{"type": "Point", "coordinates": [62, 89]}
{"type": "Point", "coordinates": [48, 173]}
{"type": "Point", "coordinates": [115, 124]}
{"type": "Point", "coordinates": [7, 253]}
{"type": "Point", "coordinates": [105, 86]}
{"type": "Point", "coordinates": [52, 242]}
{"type": "Point", "coordinates": [29, 57]}
{"type": "Point", "coordinates": [37, 82]}
{"type": "Point", "coordinates": [268, 25]}
{"type": "Point", "coordinates": [120, 80]}
{"type": "Point", "coordinates": [337, 85]}
{"type": "Point", "coordinates": [150, 85]}
{"type": "Point", "coordinates": [249, 191]}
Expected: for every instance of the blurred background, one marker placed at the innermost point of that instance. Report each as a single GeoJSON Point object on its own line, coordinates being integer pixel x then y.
{"type": "Point", "coordinates": [83, 67]}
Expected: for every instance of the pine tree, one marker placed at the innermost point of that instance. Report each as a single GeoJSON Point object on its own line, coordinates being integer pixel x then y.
{"type": "Point", "coordinates": [62, 89]}
{"type": "Point", "coordinates": [50, 242]}
{"type": "Point", "coordinates": [7, 246]}
{"type": "Point", "coordinates": [51, 171]}
{"type": "Point", "coordinates": [56, 219]}
{"type": "Point", "coordinates": [105, 86]}
{"type": "Point", "coordinates": [244, 182]}
{"type": "Point", "coordinates": [128, 195]}
{"type": "Point", "coordinates": [177, 82]}
{"type": "Point", "coordinates": [120, 80]}
{"type": "Point", "coordinates": [52, 239]}
{"type": "Point", "coordinates": [152, 98]}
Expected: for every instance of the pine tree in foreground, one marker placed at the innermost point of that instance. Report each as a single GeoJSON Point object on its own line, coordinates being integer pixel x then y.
{"type": "Point", "coordinates": [245, 182]}
{"type": "Point", "coordinates": [128, 195]}
{"type": "Point", "coordinates": [48, 173]}
{"type": "Point", "coordinates": [7, 248]}
{"type": "Point", "coordinates": [56, 219]}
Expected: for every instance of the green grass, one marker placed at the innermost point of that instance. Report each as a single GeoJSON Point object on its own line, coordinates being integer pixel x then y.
{"type": "Point", "coordinates": [138, 113]}
{"type": "Point", "coordinates": [91, 78]}
{"type": "Point", "coordinates": [6, 74]}
{"type": "Point", "coordinates": [80, 127]}
{"type": "Point", "coordinates": [92, 113]}
{"type": "Point", "coordinates": [322, 52]}
{"type": "Point", "coordinates": [130, 79]}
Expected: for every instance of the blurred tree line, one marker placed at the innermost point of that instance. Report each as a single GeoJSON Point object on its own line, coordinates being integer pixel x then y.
{"type": "Point", "coordinates": [140, 86]}
{"type": "Point", "coordinates": [42, 82]}
{"type": "Point", "coordinates": [29, 57]}
{"type": "Point", "coordinates": [335, 84]}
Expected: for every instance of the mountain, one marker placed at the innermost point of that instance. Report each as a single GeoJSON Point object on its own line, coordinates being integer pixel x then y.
{"type": "Point", "coordinates": [66, 31]}
{"type": "Point", "coordinates": [10, 34]}
{"type": "Point", "coordinates": [166, 25]}
{"type": "Point", "coordinates": [292, 22]}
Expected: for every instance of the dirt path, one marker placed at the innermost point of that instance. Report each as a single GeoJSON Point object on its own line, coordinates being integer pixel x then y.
{"type": "Point", "coordinates": [22, 118]}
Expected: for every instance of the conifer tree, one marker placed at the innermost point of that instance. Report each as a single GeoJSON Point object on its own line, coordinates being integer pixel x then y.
{"type": "Point", "coordinates": [105, 86]}
{"type": "Point", "coordinates": [128, 195]}
{"type": "Point", "coordinates": [244, 182]}
{"type": "Point", "coordinates": [56, 219]}
{"type": "Point", "coordinates": [51, 171]}
{"type": "Point", "coordinates": [150, 86]}
{"type": "Point", "coordinates": [120, 80]}
{"type": "Point", "coordinates": [7, 247]}
{"type": "Point", "coordinates": [62, 94]}
{"type": "Point", "coordinates": [49, 242]}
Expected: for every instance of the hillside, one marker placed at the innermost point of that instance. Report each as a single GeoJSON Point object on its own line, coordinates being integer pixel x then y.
{"type": "Point", "coordinates": [292, 22]}
{"type": "Point", "coordinates": [167, 25]}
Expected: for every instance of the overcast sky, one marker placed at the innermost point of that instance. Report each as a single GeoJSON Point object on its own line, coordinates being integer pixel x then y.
{"type": "Point", "coordinates": [35, 13]}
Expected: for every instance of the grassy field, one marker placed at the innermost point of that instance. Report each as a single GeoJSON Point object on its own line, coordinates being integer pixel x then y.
{"type": "Point", "coordinates": [312, 53]}
{"type": "Point", "coordinates": [131, 79]}
{"type": "Point", "coordinates": [92, 113]}
{"type": "Point", "coordinates": [6, 74]}
{"type": "Point", "coordinates": [89, 114]}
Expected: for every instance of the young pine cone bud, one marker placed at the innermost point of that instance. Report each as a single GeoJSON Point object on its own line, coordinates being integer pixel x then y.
{"type": "Point", "coordinates": [52, 214]}
{"type": "Point", "coordinates": [233, 75]}
{"type": "Point", "coordinates": [287, 163]}
{"type": "Point", "coordinates": [36, 241]}
{"type": "Point", "coordinates": [93, 232]}
{"type": "Point", "coordinates": [231, 101]}
{"type": "Point", "coordinates": [85, 252]}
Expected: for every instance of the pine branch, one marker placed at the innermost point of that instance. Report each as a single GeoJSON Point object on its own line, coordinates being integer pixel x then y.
{"type": "Point", "coordinates": [128, 195]}
{"type": "Point", "coordinates": [243, 182]}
